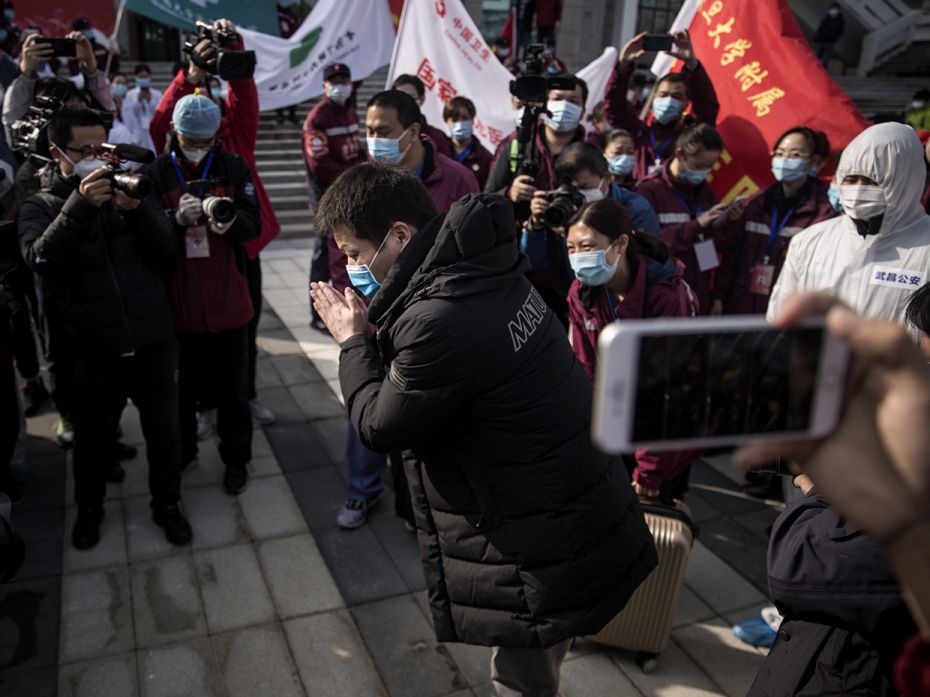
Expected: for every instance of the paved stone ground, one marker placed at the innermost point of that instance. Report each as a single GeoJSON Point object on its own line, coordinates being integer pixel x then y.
{"type": "Point", "coordinates": [272, 598]}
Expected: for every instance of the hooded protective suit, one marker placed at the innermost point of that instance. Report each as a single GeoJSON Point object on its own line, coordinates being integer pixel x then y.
{"type": "Point", "coordinates": [876, 274]}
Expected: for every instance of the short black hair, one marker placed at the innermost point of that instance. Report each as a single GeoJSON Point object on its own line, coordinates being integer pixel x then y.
{"type": "Point", "coordinates": [370, 197]}
{"type": "Point", "coordinates": [579, 82]}
{"type": "Point", "coordinates": [922, 94]}
{"type": "Point", "coordinates": [61, 123]}
{"type": "Point", "coordinates": [56, 86]}
{"type": "Point", "coordinates": [918, 309]}
{"type": "Point", "coordinates": [408, 113]}
{"type": "Point", "coordinates": [141, 68]}
{"type": "Point", "coordinates": [412, 80]}
{"type": "Point", "coordinates": [458, 109]}
{"type": "Point", "coordinates": [701, 136]}
{"type": "Point", "coordinates": [579, 157]}
{"type": "Point", "coordinates": [818, 141]}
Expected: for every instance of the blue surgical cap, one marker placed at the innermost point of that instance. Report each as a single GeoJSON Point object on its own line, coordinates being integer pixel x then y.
{"type": "Point", "coordinates": [196, 116]}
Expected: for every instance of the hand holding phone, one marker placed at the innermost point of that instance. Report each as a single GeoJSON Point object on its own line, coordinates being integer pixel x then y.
{"type": "Point", "coordinates": [657, 42]}
{"type": "Point", "coordinates": [62, 48]}
{"type": "Point", "coordinates": [722, 381]}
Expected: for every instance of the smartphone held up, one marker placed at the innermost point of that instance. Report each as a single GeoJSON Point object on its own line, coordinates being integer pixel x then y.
{"type": "Point", "coordinates": [715, 382]}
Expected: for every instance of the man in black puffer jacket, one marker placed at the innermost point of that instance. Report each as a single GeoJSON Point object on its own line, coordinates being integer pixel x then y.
{"type": "Point", "coordinates": [103, 257]}
{"type": "Point", "coordinates": [529, 535]}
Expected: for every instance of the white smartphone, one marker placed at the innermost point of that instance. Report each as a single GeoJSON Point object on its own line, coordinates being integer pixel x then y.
{"type": "Point", "coordinates": [707, 382]}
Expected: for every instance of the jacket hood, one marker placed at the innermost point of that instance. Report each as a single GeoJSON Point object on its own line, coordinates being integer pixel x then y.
{"type": "Point", "coordinates": [659, 272]}
{"type": "Point", "coordinates": [470, 250]}
{"type": "Point", "coordinates": [891, 155]}
{"type": "Point", "coordinates": [52, 181]}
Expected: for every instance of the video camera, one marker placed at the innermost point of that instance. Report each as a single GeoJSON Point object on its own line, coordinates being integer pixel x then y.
{"type": "Point", "coordinates": [136, 186]}
{"type": "Point", "coordinates": [563, 202]}
{"type": "Point", "coordinates": [532, 88]}
{"type": "Point", "coordinates": [229, 65]}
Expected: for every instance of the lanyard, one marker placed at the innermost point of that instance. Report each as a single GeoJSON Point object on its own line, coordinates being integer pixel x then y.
{"type": "Point", "coordinates": [777, 226]}
{"type": "Point", "coordinates": [177, 168]}
{"type": "Point", "coordinates": [693, 213]}
{"type": "Point", "coordinates": [659, 150]}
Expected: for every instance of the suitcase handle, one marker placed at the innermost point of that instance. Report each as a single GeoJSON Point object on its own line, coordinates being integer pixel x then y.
{"type": "Point", "coordinates": [658, 507]}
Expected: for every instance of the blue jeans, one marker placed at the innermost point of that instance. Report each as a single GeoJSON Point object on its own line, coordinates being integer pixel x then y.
{"type": "Point", "coordinates": [364, 468]}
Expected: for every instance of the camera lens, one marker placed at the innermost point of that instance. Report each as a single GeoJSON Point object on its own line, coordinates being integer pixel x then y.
{"type": "Point", "coordinates": [134, 185]}
{"type": "Point", "coordinates": [219, 209]}
{"type": "Point", "coordinates": [559, 212]}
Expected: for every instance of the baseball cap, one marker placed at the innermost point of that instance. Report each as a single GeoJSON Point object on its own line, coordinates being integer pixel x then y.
{"type": "Point", "coordinates": [196, 116]}
{"type": "Point", "coordinates": [336, 70]}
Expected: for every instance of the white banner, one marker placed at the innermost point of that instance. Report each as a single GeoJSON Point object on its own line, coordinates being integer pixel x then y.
{"type": "Point", "coordinates": [663, 62]}
{"type": "Point", "coordinates": [358, 33]}
{"type": "Point", "coordinates": [439, 42]}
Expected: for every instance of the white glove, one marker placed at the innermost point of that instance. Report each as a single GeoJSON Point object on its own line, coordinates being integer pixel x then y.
{"type": "Point", "coordinates": [190, 208]}
{"type": "Point", "coordinates": [221, 228]}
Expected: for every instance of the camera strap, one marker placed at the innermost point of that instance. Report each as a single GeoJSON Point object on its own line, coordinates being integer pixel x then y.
{"type": "Point", "coordinates": [177, 168]}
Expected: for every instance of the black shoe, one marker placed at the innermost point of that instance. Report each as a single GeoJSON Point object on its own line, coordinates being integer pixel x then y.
{"type": "Point", "coordinates": [235, 480]}
{"type": "Point", "coordinates": [177, 529]}
{"type": "Point", "coordinates": [116, 474]}
{"type": "Point", "coordinates": [34, 396]}
{"type": "Point", "coordinates": [125, 451]}
{"type": "Point", "coordinates": [86, 532]}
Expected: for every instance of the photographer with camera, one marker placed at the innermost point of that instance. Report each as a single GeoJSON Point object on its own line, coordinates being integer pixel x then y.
{"type": "Point", "coordinates": [582, 176]}
{"type": "Point", "coordinates": [209, 194]}
{"type": "Point", "coordinates": [102, 253]}
{"type": "Point", "coordinates": [217, 50]}
{"type": "Point", "coordinates": [655, 137]}
{"type": "Point", "coordinates": [526, 160]}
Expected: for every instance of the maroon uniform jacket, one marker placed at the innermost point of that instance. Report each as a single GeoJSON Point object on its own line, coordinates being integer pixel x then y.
{"type": "Point", "coordinates": [678, 206]}
{"type": "Point", "coordinates": [651, 136]}
{"type": "Point", "coordinates": [331, 141]}
{"type": "Point", "coordinates": [746, 243]}
{"type": "Point", "coordinates": [475, 158]}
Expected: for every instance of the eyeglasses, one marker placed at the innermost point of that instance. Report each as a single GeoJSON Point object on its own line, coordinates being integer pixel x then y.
{"type": "Point", "coordinates": [85, 150]}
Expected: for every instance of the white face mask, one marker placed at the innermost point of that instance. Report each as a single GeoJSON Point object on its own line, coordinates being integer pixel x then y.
{"type": "Point", "coordinates": [84, 166]}
{"type": "Point", "coordinates": [862, 201]}
{"type": "Point", "coordinates": [595, 194]}
{"type": "Point", "coordinates": [918, 104]}
{"type": "Point", "coordinates": [339, 93]}
{"type": "Point", "coordinates": [194, 155]}
{"type": "Point", "coordinates": [518, 116]}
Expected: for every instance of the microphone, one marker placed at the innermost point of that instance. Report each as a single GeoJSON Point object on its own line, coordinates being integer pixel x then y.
{"type": "Point", "coordinates": [133, 153]}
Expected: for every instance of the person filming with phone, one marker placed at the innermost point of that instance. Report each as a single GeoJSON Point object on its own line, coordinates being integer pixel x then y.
{"type": "Point", "coordinates": [210, 197]}
{"type": "Point", "coordinates": [656, 136]}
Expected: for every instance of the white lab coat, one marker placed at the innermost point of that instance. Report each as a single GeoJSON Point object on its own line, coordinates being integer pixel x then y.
{"type": "Point", "coordinates": [866, 272]}
{"type": "Point", "coordinates": [137, 115]}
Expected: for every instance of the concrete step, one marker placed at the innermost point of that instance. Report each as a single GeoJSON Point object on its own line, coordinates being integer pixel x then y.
{"type": "Point", "coordinates": [289, 142]}
{"type": "Point", "coordinates": [295, 231]}
{"type": "Point", "coordinates": [281, 176]}
{"type": "Point", "coordinates": [293, 216]}
{"type": "Point", "coordinates": [285, 187]}
{"type": "Point", "coordinates": [290, 202]}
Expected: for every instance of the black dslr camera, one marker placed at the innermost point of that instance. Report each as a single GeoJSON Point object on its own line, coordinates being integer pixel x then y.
{"type": "Point", "coordinates": [229, 65]}
{"type": "Point", "coordinates": [219, 209]}
{"type": "Point", "coordinates": [563, 202]}
{"type": "Point", "coordinates": [136, 186]}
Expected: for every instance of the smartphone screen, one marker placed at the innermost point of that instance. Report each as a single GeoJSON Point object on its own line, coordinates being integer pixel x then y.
{"type": "Point", "coordinates": [709, 385]}
{"type": "Point", "coordinates": [64, 48]}
{"type": "Point", "coordinates": [657, 42]}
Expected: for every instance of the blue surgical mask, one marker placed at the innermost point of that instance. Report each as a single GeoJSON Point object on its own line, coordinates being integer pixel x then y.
{"type": "Point", "coordinates": [621, 165]}
{"type": "Point", "coordinates": [592, 268]}
{"type": "Point", "coordinates": [119, 90]}
{"type": "Point", "coordinates": [339, 93]}
{"type": "Point", "coordinates": [693, 176]}
{"type": "Point", "coordinates": [361, 277]}
{"type": "Point", "coordinates": [833, 12]}
{"type": "Point", "coordinates": [787, 169]}
{"type": "Point", "coordinates": [143, 82]}
{"type": "Point", "coordinates": [565, 116]}
{"type": "Point", "coordinates": [667, 109]}
{"type": "Point", "coordinates": [386, 150]}
{"type": "Point", "coordinates": [461, 130]}
{"type": "Point", "coordinates": [833, 194]}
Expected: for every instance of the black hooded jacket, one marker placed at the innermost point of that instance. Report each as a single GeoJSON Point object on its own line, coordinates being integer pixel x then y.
{"type": "Point", "coordinates": [529, 535]}
{"type": "Point", "coordinates": [102, 271]}
{"type": "Point", "coordinates": [845, 620]}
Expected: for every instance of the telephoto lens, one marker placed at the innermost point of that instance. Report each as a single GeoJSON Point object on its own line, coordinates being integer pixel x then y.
{"type": "Point", "coordinates": [219, 209]}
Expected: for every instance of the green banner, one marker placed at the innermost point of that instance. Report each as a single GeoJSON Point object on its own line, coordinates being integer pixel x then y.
{"type": "Point", "coordinates": [260, 15]}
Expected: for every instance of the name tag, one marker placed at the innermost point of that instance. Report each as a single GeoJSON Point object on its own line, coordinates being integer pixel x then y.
{"type": "Point", "coordinates": [196, 242]}
{"type": "Point", "coordinates": [669, 218]}
{"type": "Point", "coordinates": [897, 278]}
{"type": "Point", "coordinates": [706, 253]}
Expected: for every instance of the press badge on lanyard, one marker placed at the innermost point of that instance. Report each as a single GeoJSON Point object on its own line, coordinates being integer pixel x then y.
{"type": "Point", "coordinates": [196, 237]}
{"type": "Point", "coordinates": [658, 151]}
{"type": "Point", "coordinates": [704, 250]}
{"type": "Point", "coordinates": [763, 274]}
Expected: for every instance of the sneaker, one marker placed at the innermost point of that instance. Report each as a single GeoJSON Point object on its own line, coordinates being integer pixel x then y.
{"type": "Point", "coordinates": [354, 513]}
{"type": "Point", "coordinates": [115, 474]}
{"type": "Point", "coordinates": [177, 530]}
{"type": "Point", "coordinates": [64, 433]}
{"type": "Point", "coordinates": [86, 532]}
{"type": "Point", "coordinates": [124, 451]}
{"type": "Point", "coordinates": [260, 413]}
{"type": "Point", "coordinates": [756, 632]}
{"type": "Point", "coordinates": [235, 480]}
{"type": "Point", "coordinates": [206, 424]}
{"type": "Point", "coordinates": [35, 396]}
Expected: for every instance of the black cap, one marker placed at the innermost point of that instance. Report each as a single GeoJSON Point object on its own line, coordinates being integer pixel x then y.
{"type": "Point", "coordinates": [336, 70]}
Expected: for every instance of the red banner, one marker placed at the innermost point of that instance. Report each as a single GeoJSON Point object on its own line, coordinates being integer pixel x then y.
{"type": "Point", "coordinates": [767, 80]}
{"type": "Point", "coordinates": [397, 7]}
{"type": "Point", "coordinates": [54, 18]}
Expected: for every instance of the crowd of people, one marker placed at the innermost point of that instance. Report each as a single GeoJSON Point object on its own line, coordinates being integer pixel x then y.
{"type": "Point", "coordinates": [141, 278]}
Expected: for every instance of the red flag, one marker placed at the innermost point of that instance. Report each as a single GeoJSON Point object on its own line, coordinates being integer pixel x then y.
{"type": "Point", "coordinates": [767, 80]}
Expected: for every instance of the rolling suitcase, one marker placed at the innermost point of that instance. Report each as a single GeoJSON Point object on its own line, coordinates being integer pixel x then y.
{"type": "Point", "coordinates": [645, 624]}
